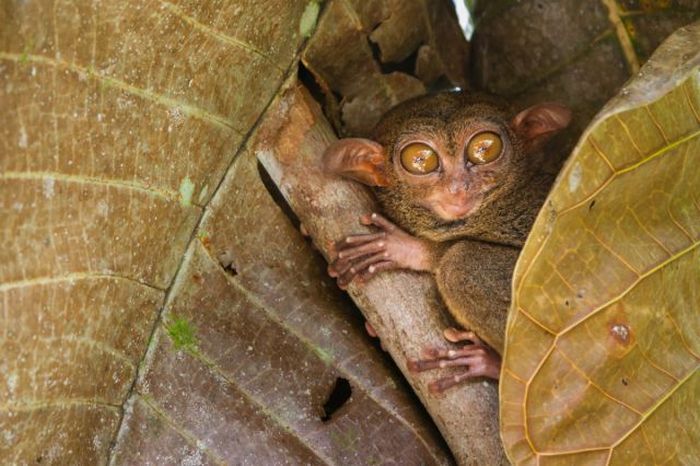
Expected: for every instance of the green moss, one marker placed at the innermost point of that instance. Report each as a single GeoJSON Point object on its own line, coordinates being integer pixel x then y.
{"type": "Point", "coordinates": [307, 24]}
{"type": "Point", "coordinates": [186, 191]}
{"type": "Point", "coordinates": [324, 355]}
{"type": "Point", "coordinates": [24, 56]}
{"type": "Point", "coordinates": [182, 334]}
{"type": "Point", "coordinates": [345, 439]}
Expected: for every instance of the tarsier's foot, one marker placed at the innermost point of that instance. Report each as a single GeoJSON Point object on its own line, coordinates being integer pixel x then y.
{"type": "Point", "coordinates": [305, 233]}
{"type": "Point", "coordinates": [373, 333]}
{"type": "Point", "coordinates": [362, 256]}
{"type": "Point", "coordinates": [476, 358]}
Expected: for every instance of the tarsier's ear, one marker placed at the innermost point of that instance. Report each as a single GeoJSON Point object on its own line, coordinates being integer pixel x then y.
{"type": "Point", "coordinates": [358, 159]}
{"type": "Point", "coordinates": [535, 125]}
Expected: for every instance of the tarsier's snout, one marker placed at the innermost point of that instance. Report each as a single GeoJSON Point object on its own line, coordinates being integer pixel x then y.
{"type": "Point", "coordinates": [457, 201]}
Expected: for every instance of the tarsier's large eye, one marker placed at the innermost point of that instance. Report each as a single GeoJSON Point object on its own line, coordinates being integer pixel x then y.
{"type": "Point", "coordinates": [419, 159]}
{"type": "Point", "coordinates": [484, 148]}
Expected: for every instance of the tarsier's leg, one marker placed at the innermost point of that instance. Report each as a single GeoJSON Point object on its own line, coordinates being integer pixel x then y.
{"type": "Point", "coordinates": [474, 281]}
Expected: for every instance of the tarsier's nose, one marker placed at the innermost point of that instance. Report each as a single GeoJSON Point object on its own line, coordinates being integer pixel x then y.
{"type": "Point", "coordinates": [457, 187]}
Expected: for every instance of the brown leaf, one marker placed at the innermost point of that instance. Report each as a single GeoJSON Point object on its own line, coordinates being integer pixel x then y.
{"type": "Point", "coordinates": [123, 190]}
{"type": "Point", "coordinates": [602, 355]}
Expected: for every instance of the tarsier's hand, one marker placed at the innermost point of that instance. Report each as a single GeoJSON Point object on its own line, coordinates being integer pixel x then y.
{"type": "Point", "coordinates": [361, 256]}
{"type": "Point", "coordinates": [476, 358]}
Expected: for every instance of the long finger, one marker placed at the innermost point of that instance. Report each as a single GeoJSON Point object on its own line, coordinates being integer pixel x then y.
{"type": "Point", "coordinates": [362, 250]}
{"type": "Point", "coordinates": [378, 220]}
{"type": "Point", "coordinates": [442, 353]}
{"type": "Point", "coordinates": [343, 263]}
{"type": "Point", "coordinates": [348, 266]}
{"type": "Point", "coordinates": [370, 330]}
{"type": "Point", "coordinates": [359, 267]}
{"type": "Point", "coordinates": [374, 269]}
{"type": "Point", "coordinates": [440, 385]}
{"type": "Point", "coordinates": [340, 267]}
{"type": "Point", "coordinates": [366, 275]}
{"type": "Point", "coordinates": [429, 364]}
{"type": "Point", "coordinates": [359, 239]}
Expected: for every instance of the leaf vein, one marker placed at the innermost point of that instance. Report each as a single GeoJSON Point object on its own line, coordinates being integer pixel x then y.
{"type": "Point", "coordinates": [188, 109]}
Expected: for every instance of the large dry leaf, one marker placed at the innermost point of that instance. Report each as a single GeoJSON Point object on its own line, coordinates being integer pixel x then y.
{"type": "Point", "coordinates": [270, 337]}
{"type": "Point", "coordinates": [602, 350]}
{"type": "Point", "coordinates": [121, 192]}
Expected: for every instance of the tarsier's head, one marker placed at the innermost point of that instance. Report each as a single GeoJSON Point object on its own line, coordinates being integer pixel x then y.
{"type": "Point", "coordinates": [440, 161]}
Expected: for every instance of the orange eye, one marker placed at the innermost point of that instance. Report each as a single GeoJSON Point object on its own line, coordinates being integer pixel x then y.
{"type": "Point", "coordinates": [484, 148]}
{"type": "Point", "coordinates": [419, 159]}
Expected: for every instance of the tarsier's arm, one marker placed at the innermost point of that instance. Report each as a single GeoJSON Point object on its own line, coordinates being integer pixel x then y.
{"type": "Point", "coordinates": [361, 256]}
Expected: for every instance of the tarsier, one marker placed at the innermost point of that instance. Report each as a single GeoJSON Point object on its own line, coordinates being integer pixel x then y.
{"type": "Point", "coordinates": [460, 176]}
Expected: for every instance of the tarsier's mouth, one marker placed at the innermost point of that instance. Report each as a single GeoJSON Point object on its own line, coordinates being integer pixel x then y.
{"type": "Point", "coordinates": [455, 211]}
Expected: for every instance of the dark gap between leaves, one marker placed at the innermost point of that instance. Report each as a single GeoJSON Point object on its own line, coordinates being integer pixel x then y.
{"type": "Point", "coordinates": [442, 83]}
{"type": "Point", "coordinates": [277, 196]}
{"type": "Point", "coordinates": [281, 202]}
{"type": "Point", "coordinates": [407, 65]}
{"type": "Point", "coordinates": [309, 81]}
{"type": "Point", "coordinates": [231, 270]}
{"type": "Point", "coordinates": [338, 397]}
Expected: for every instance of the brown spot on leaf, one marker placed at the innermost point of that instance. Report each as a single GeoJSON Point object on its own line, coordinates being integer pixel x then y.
{"type": "Point", "coordinates": [621, 333]}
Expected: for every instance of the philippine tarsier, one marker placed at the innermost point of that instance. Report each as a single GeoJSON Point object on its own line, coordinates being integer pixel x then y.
{"type": "Point", "coordinates": [461, 177]}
